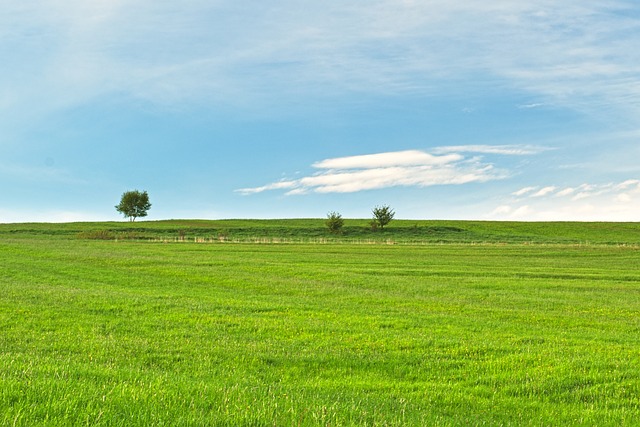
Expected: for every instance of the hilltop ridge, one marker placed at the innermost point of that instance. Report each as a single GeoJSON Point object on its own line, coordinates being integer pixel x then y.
{"type": "Point", "coordinates": [313, 230]}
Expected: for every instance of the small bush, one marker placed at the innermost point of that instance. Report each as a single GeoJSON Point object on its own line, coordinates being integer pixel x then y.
{"type": "Point", "coordinates": [383, 215]}
{"type": "Point", "coordinates": [334, 222]}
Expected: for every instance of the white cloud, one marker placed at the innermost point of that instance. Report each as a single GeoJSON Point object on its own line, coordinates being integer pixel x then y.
{"type": "Point", "coordinates": [580, 192]}
{"type": "Point", "coordinates": [631, 183]}
{"type": "Point", "coordinates": [530, 106]}
{"type": "Point", "coordinates": [581, 195]}
{"type": "Point", "coordinates": [585, 191]}
{"type": "Point", "coordinates": [384, 170]}
{"type": "Point", "coordinates": [398, 158]}
{"type": "Point", "coordinates": [565, 192]}
{"type": "Point", "coordinates": [586, 202]}
{"type": "Point", "coordinates": [510, 150]}
{"type": "Point", "coordinates": [280, 185]}
{"type": "Point", "coordinates": [524, 191]}
{"type": "Point", "coordinates": [544, 191]}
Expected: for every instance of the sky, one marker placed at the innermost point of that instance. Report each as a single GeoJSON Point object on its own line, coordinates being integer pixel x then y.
{"type": "Point", "coordinates": [492, 110]}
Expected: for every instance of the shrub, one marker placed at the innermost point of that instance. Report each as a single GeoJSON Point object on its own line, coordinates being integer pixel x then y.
{"type": "Point", "coordinates": [382, 215]}
{"type": "Point", "coordinates": [334, 222]}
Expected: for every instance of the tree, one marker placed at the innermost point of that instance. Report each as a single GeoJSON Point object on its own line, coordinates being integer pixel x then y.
{"type": "Point", "coordinates": [382, 215]}
{"type": "Point", "coordinates": [334, 222]}
{"type": "Point", "coordinates": [134, 204]}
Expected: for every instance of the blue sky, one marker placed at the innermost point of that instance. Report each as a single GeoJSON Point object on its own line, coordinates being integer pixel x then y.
{"type": "Point", "coordinates": [493, 110]}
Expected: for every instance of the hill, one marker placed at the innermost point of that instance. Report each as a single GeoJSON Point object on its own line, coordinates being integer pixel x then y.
{"type": "Point", "coordinates": [355, 231]}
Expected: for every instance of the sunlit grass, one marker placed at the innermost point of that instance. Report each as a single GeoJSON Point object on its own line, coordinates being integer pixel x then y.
{"type": "Point", "coordinates": [131, 333]}
{"type": "Point", "coordinates": [355, 231]}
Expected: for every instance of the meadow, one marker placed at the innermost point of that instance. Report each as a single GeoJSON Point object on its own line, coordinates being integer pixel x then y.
{"type": "Point", "coordinates": [278, 323]}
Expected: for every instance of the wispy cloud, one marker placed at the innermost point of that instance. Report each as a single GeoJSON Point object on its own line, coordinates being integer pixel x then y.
{"type": "Point", "coordinates": [544, 191]}
{"type": "Point", "coordinates": [509, 150]}
{"type": "Point", "coordinates": [524, 191]}
{"type": "Point", "coordinates": [530, 106]}
{"type": "Point", "coordinates": [382, 160]}
{"type": "Point", "coordinates": [586, 202]}
{"type": "Point", "coordinates": [565, 192]}
{"type": "Point", "coordinates": [393, 169]}
{"type": "Point", "coordinates": [169, 52]}
{"type": "Point", "coordinates": [582, 191]}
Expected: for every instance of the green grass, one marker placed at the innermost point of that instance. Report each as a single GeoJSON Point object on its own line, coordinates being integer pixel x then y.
{"type": "Point", "coordinates": [543, 330]}
{"type": "Point", "coordinates": [355, 231]}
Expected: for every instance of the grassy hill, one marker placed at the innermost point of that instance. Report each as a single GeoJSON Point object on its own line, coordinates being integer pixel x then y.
{"type": "Point", "coordinates": [523, 324]}
{"type": "Point", "coordinates": [355, 231]}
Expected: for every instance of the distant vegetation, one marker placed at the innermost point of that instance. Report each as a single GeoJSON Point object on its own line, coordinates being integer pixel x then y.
{"type": "Point", "coordinates": [353, 231]}
{"type": "Point", "coordinates": [334, 222]}
{"type": "Point", "coordinates": [382, 215]}
{"type": "Point", "coordinates": [134, 204]}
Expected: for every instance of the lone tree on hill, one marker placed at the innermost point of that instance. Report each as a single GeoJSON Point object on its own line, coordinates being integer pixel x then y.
{"type": "Point", "coordinates": [134, 204]}
{"type": "Point", "coordinates": [334, 222]}
{"type": "Point", "coordinates": [382, 215]}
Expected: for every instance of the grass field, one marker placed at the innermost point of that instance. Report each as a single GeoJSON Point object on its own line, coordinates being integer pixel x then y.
{"type": "Point", "coordinates": [355, 231]}
{"type": "Point", "coordinates": [457, 323]}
